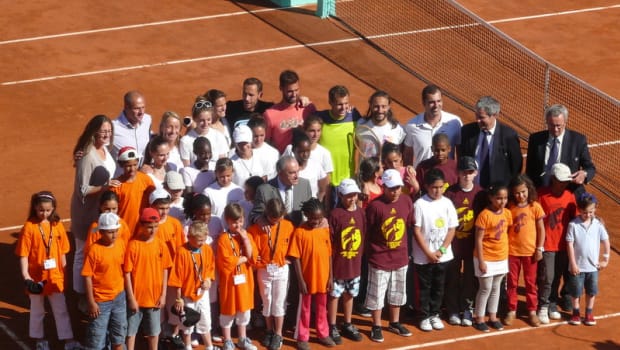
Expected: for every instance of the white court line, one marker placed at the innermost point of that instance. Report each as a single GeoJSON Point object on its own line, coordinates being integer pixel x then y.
{"type": "Point", "coordinates": [491, 334]}
{"type": "Point", "coordinates": [251, 52]}
{"type": "Point", "coordinates": [13, 336]}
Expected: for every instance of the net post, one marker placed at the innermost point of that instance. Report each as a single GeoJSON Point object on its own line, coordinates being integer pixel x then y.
{"type": "Point", "coordinates": [326, 8]}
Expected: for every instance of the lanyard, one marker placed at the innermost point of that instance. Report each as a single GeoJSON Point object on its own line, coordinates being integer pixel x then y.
{"type": "Point", "coordinates": [232, 246]}
{"type": "Point", "coordinates": [196, 268]}
{"type": "Point", "coordinates": [48, 246]}
{"type": "Point", "coordinates": [272, 248]}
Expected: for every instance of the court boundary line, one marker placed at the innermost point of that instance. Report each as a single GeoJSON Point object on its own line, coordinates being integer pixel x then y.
{"type": "Point", "coordinates": [492, 334]}
{"type": "Point", "coordinates": [283, 48]}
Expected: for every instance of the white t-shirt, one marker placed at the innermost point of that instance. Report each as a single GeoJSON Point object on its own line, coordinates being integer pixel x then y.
{"type": "Point", "coordinates": [176, 210]}
{"type": "Point", "coordinates": [420, 135]}
{"type": "Point", "coordinates": [268, 156]}
{"type": "Point", "coordinates": [244, 168]}
{"type": "Point", "coordinates": [198, 180]}
{"type": "Point", "coordinates": [221, 196]}
{"type": "Point", "coordinates": [174, 158]}
{"type": "Point", "coordinates": [216, 138]}
{"type": "Point", "coordinates": [435, 217]}
{"type": "Point", "coordinates": [313, 172]}
{"type": "Point", "coordinates": [320, 154]}
{"type": "Point", "coordinates": [387, 133]}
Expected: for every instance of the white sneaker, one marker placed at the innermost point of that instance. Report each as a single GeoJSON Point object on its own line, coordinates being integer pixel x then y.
{"type": "Point", "coordinates": [454, 320]}
{"type": "Point", "coordinates": [246, 344]}
{"type": "Point", "coordinates": [467, 319]}
{"type": "Point", "coordinates": [425, 325]}
{"type": "Point", "coordinates": [554, 315]}
{"type": "Point", "coordinates": [543, 315]}
{"type": "Point", "coordinates": [436, 323]}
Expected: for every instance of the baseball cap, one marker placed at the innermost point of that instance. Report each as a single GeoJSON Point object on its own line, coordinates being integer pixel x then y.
{"type": "Point", "coordinates": [174, 181]}
{"type": "Point", "coordinates": [127, 153]}
{"type": "Point", "coordinates": [391, 178]}
{"type": "Point", "coordinates": [467, 163]}
{"type": "Point", "coordinates": [149, 215]}
{"type": "Point", "coordinates": [159, 193]}
{"type": "Point", "coordinates": [108, 221]}
{"type": "Point", "coordinates": [561, 172]}
{"type": "Point", "coordinates": [348, 186]}
{"type": "Point", "coordinates": [242, 133]}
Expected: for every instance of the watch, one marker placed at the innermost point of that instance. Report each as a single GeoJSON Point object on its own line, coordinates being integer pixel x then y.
{"type": "Point", "coordinates": [541, 249]}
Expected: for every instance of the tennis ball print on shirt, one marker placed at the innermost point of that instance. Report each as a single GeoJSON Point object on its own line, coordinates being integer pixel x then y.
{"type": "Point", "coordinates": [351, 240]}
{"type": "Point", "coordinates": [393, 230]}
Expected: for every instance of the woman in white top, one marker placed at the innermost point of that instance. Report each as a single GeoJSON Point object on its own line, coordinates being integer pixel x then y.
{"type": "Point", "coordinates": [170, 129]}
{"type": "Point", "coordinates": [202, 114]}
{"type": "Point", "coordinates": [219, 122]}
{"type": "Point", "coordinates": [381, 119]}
{"type": "Point", "coordinates": [156, 160]}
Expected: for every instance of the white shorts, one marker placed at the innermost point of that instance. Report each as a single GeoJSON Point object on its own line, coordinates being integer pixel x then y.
{"type": "Point", "coordinates": [494, 268]}
{"type": "Point", "coordinates": [273, 285]}
{"type": "Point", "coordinates": [203, 305]}
{"type": "Point", "coordinates": [394, 282]}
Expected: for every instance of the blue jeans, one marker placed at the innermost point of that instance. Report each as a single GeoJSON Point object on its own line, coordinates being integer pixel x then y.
{"type": "Point", "coordinates": [112, 321]}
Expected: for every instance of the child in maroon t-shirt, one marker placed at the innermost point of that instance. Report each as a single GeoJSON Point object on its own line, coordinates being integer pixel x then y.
{"type": "Point", "coordinates": [441, 150]}
{"type": "Point", "coordinates": [347, 224]}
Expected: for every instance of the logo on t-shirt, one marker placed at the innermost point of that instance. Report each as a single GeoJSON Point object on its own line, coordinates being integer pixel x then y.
{"type": "Point", "coordinates": [519, 221]}
{"type": "Point", "coordinates": [292, 122]}
{"type": "Point", "coordinates": [351, 239]}
{"type": "Point", "coordinates": [393, 230]}
{"type": "Point", "coordinates": [466, 221]}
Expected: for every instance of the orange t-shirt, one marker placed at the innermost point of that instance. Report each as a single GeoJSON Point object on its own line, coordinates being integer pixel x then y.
{"type": "Point", "coordinates": [313, 248]}
{"type": "Point", "coordinates": [234, 297]}
{"type": "Point", "coordinates": [171, 232]}
{"type": "Point", "coordinates": [146, 262]}
{"type": "Point", "coordinates": [522, 232]}
{"type": "Point", "coordinates": [495, 239]}
{"type": "Point", "coordinates": [264, 246]}
{"type": "Point", "coordinates": [132, 197]}
{"type": "Point", "coordinates": [32, 242]}
{"type": "Point", "coordinates": [105, 265]}
{"type": "Point", "coordinates": [184, 273]}
{"type": "Point", "coordinates": [93, 234]}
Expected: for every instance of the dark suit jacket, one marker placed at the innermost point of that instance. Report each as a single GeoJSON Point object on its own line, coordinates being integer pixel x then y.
{"type": "Point", "coordinates": [574, 153]}
{"type": "Point", "coordinates": [506, 158]}
{"type": "Point", "coordinates": [265, 192]}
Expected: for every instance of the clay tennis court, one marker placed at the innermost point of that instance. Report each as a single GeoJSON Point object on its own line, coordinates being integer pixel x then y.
{"type": "Point", "coordinates": [63, 62]}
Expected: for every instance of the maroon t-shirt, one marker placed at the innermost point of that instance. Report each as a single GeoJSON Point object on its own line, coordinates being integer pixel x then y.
{"type": "Point", "coordinates": [450, 173]}
{"type": "Point", "coordinates": [348, 232]}
{"type": "Point", "coordinates": [468, 205]}
{"type": "Point", "coordinates": [387, 240]}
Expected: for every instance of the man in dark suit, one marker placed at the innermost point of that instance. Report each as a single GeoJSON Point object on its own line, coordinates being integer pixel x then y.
{"type": "Point", "coordinates": [494, 145]}
{"type": "Point", "coordinates": [559, 145]}
{"type": "Point", "coordinates": [287, 186]}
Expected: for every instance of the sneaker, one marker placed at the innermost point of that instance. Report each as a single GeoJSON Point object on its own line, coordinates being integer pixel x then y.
{"type": "Point", "coordinates": [363, 311]}
{"type": "Point", "coordinates": [467, 319]}
{"type": "Point", "coordinates": [327, 341]}
{"type": "Point", "coordinates": [376, 334]}
{"type": "Point", "coordinates": [482, 327]}
{"type": "Point", "coordinates": [303, 345]}
{"type": "Point", "coordinates": [228, 345]}
{"type": "Point", "coordinates": [543, 315]}
{"type": "Point", "coordinates": [216, 336]}
{"type": "Point", "coordinates": [553, 313]}
{"type": "Point", "coordinates": [589, 320]}
{"type": "Point", "coordinates": [496, 325]}
{"type": "Point", "coordinates": [267, 339]}
{"type": "Point", "coordinates": [534, 320]}
{"type": "Point", "coordinates": [575, 320]}
{"type": "Point", "coordinates": [350, 331]}
{"type": "Point", "coordinates": [510, 317]}
{"type": "Point", "coordinates": [454, 320]}
{"type": "Point", "coordinates": [396, 327]}
{"type": "Point", "coordinates": [43, 345]}
{"type": "Point", "coordinates": [177, 342]}
{"type": "Point", "coordinates": [425, 325]}
{"type": "Point", "coordinates": [74, 345]}
{"type": "Point", "coordinates": [246, 344]}
{"type": "Point", "coordinates": [276, 342]}
{"type": "Point", "coordinates": [437, 323]}
{"type": "Point", "coordinates": [335, 335]}
{"type": "Point", "coordinates": [195, 343]}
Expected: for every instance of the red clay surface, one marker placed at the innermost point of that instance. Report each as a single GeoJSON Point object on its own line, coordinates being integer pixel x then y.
{"type": "Point", "coordinates": [42, 119]}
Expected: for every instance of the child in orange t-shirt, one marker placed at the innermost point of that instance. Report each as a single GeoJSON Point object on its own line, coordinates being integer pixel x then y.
{"type": "Point", "coordinates": [311, 252]}
{"type": "Point", "coordinates": [147, 261]}
{"type": "Point", "coordinates": [134, 187]}
{"type": "Point", "coordinates": [191, 277]}
{"type": "Point", "coordinates": [107, 204]}
{"type": "Point", "coordinates": [491, 256]}
{"type": "Point", "coordinates": [105, 290]}
{"type": "Point", "coordinates": [235, 253]}
{"type": "Point", "coordinates": [42, 247]}
{"type": "Point", "coordinates": [272, 235]}
{"type": "Point", "coordinates": [526, 237]}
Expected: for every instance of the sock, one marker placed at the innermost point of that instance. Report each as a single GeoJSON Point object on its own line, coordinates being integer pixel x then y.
{"type": "Point", "coordinates": [588, 311]}
{"type": "Point", "coordinates": [575, 312]}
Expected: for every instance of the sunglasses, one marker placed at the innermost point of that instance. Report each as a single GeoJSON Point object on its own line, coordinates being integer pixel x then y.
{"type": "Point", "coordinates": [202, 104]}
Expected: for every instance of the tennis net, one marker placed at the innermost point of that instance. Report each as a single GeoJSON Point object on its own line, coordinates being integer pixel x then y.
{"type": "Point", "coordinates": [441, 42]}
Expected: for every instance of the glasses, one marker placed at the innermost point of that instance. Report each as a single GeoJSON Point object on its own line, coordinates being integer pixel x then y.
{"type": "Point", "coordinates": [104, 132]}
{"type": "Point", "coordinates": [202, 104]}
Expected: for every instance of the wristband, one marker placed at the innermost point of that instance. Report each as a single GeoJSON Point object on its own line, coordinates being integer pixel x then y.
{"type": "Point", "coordinates": [443, 250]}
{"type": "Point", "coordinates": [541, 249]}
{"type": "Point", "coordinates": [605, 256]}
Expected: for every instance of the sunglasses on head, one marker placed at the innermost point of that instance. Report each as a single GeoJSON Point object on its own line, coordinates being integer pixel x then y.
{"type": "Point", "coordinates": [202, 104]}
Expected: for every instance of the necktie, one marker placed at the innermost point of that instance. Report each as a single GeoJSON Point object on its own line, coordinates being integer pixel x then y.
{"type": "Point", "coordinates": [287, 200]}
{"type": "Point", "coordinates": [484, 160]}
{"type": "Point", "coordinates": [553, 158]}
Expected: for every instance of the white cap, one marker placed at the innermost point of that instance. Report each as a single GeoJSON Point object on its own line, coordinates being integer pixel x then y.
{"type": "Point", "coordinates": [159, 193]}
{"type": "Point", "coordinates": [561, 172]}
{"type": "Point", "coordinates": [108, 221]}
{"type": "Point", "coordinates": [127, 153]}
{"type": "Point", "coordinates": [348, 186]}
{"type": "Point", "coordinates": [391, 178]}
{"type": "Point", "coordinates": [242, 133]}
{"type": "Point", "coordinates": [174, 181]}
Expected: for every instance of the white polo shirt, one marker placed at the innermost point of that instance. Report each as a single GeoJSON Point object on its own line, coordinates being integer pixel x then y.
{"type": "Point", "coordinates": [420, 135]}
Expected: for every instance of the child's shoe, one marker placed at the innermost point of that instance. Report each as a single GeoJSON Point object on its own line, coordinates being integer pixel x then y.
{"type": "Point", "coordinates": [436, 323]}
{"type": "Point", "coordinates": [482, 327]}
{"type": "Point", "coordinates": [496, 325]}
{"type": "Point", "coordinates": [510, 317]}
{"type": "Point", "coordinates": [534, 320]}
{"type": "Point", "coordinates": [425, 325]}
{"type": "Point", "coordinates": [351, 332]}
{"type": "Point", "coordinates": [589, 320]}
{"type": "Point", "coordinates": [335, 335]}
{"type": "Point", "coordinates": [327, 341]}
{"type": "Point", "coordinates": [396, 327]}
{"type": "Point", "coordinates": [276, 342]}
{"type": "Point", "coordinates": [454, 320]}
{"type": "Point", "coordinates": [543, 315]}
{"type": "Point", "coordinates": [246, 344]}
{"type": "Point", "coordinates": [228, 345]}
{"type": "Point", "coordinates": [554, 314]}
{"type": "Point", "coordinates": [376, 334]}
{"type": "Point", "coordinates": [467, 319]}
{"type": "Point", "coordinates": [575, 320]}
{"type": "Point", "coordinates": [43, 345]}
